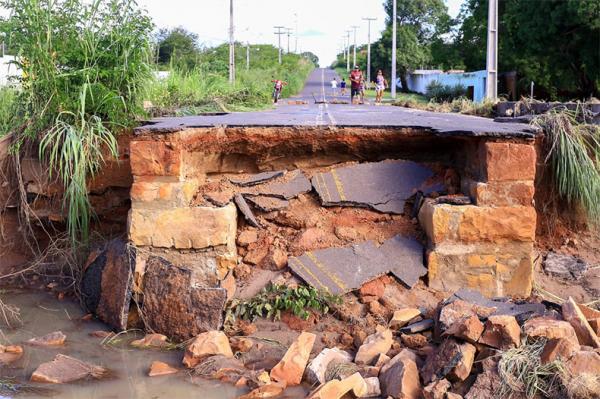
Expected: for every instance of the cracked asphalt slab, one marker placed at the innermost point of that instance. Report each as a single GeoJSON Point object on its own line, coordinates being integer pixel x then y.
{"type": "Point", "coordinates": [291, 112]}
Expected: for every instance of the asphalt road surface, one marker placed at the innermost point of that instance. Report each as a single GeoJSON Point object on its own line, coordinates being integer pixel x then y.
{"type": "Point", "coordinates": [314, 106]}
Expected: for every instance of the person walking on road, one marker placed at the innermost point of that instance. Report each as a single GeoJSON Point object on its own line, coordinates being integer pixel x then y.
{"type": "Point", "coordinates": [380, 86]}
{"type": "Point", "coordinates": [334, 84]}
{"type": "Point", "coordinates": [343, 86]}
{"type": "Point", "coordinates": [356, 79]}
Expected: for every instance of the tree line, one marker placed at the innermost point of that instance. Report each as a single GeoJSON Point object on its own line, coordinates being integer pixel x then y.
{"type": "Point", "coordinates": [554, 43]}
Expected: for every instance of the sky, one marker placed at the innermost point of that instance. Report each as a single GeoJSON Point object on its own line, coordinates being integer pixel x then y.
{"type": "Point", "coordinates": [321, 24]}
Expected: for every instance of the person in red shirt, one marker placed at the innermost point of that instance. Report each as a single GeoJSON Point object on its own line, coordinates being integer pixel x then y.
{"type": "Point", "coordinates": [356, 78]}
{"type": "Point", "coordinates": [277, 87]}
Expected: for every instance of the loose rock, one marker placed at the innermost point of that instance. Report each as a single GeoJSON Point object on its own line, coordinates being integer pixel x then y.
{"type": "Point", "coordinates": [65, 369]}
{"type": "Point", "coordinates": [501, 332]}
{"type": "Point", "coordinates": [206, 344]}
{"type": "Point", "coordinates": [159, 368]}
{"type": "Point", "coordinates": [335, 389]}
{"type": "Point", "coordinates": [550, 329]}
{"type": "Point", "coordinates": [151, 341]}
{"type": "Point", "coordinates": [317, 367]}
{"type": "Point", "coordinates": [437, 389]}
{"type": "Point", "coordinates": [399, 378]}
{"type": "Point", "coordinates": [558, 349]}
{"type": "Point", "coordinates": [377, 343]}
{"type": "Point", "coordinates": [56, 338]}
{"type": "Point", "coordinates": [403, 316]}
{"type": "Point", "coordinates": [266, 391]}
{"type": "Point", "coordinates": [469, 329]}
{"type": "Point", "coordinates": [585, 334]}
{"type": "Point", "coordinates": [291, 368]}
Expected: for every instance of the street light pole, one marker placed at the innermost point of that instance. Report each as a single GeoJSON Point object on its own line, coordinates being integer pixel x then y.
{"type": "Point", "coordinates": [247, 55]}
{"type": "Point", "coordinates": [289, 32]}
{"type": "Point", "coordinates": [231, 45]}
{"type": "Point", "coordinates": [296, 44]}
{"type": "Point", "coordinates": [369, 49]}
{"type": "Point", "coordinates": [279, 33]}
{"type": "Point", "coordinates": [393, 78]}
{"type": "Point", "coordinates": [348, 51]}
{"type": "Point", "coordinates": [354, 59]}
{"type": "Point", "coordinates": [491, 91]}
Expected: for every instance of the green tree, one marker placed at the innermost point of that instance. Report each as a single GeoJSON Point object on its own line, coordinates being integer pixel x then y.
{"type": "Point", "coordinates": [177, 45]}
{"type": "Point", "coordinates": [311, 57]}
{"type": "Point", "coordinates": [419, 22]}
{"type": "Point", "coordinates": [555, 43]}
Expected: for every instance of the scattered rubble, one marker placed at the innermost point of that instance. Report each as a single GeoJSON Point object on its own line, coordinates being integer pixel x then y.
{"type": "Point", "coordinates": [10, 354]}
{"type": "Point", "coordinates": [204, 345]}
{"type": "Point", "coordinates": [291, 368]}
{"type": "Point", "coordinates": [377, 343]}
{"type": "Point", "coordinates": [151, 341]}
{"type": "Point", "coordinates": [257, 179]}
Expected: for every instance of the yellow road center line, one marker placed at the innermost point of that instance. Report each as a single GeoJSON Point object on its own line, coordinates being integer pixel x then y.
{"type": "Point", "coordinates": [307, 270]}
{"type": "Point", "coordinates": [326, 188]}
{"type": "Point", "coordinates": [321, 267]}
{"type": "Point", "coordinates": [338, 185]}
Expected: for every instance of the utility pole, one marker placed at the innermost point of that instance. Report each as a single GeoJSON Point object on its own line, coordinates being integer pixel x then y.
{"type": "Point", "coordinates": [369, 49]}
{"type": "Point", "coordinates": [491, 90]}
{"type": "Point", "coordinates": [394, 22]}
{"type": "Point", "coordinates": [231, 45]}
{"type": "Point", "coordinates": [247, 55]}
{"type": "Point", "coordinates": [296, 22]}
{"type": "Point", "coordinates": [354, 59]}
{"type": "Point", "coordinates": [279, 33]}
{"type": "Point", "coordinates": [289, 32]}
{"type": "Point", "coordinates": [348, 51]}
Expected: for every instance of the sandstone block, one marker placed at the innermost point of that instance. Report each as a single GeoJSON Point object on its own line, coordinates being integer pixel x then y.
{"type": "Point", "coordinates": [510, 193]}
{"type": "Point", "coordinates": [451, 359]}
{"type": "Point", "coordinates": [270, 390]}
{"type": "Point", "coordinates": [204, 345]}
{"type": "Point", "coordinates": [550, 329]}
{"type": "Point", "coordinates": [469, 329]}
{"type": "Point", "coordinates": [508, 161]}
{"type": "Point", "coordinates": [174, 305]}
{"type": "Point", "coordinates": [584, 362]}
{"type": "Point", "coordinates": [164, 190]}
{"type": "Point", "coordinates": [501, 332]}
{"type": "Point", "coordinates": [377, 343]}
{"type": "Point", "coordinates": [585, 334]}
{"type": "Point", "coordinates": [437, 389]}
{"type": "Point", "coordinates": [458, 310]}
{"type": "Point", "coordinates": [291, 368]}
{"type": "Point", "coordinates": [151, 158]}
{"type": "Point", "coordinates": [183, 228]}
{"type": "Point", "coordinates": [472, 224]}
{"type": "Point", "coordinates": [400, 378]}
{"type": "Point", "coordinates": [492, 269]}
{"type": "Point", "coordinates": [150, 341]}
{"type": "Point", "coordinates": [336, 389]}
{"type": "Point", "coordinates": [558, 349]}
{"type": "Point", "coordinates": [463, 368]}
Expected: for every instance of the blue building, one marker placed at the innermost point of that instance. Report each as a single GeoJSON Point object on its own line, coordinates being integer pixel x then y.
{"type": "Point", "coordinates": [419, 79]}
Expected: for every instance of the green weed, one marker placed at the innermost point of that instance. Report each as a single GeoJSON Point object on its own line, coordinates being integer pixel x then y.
{"type": "Point", "coordinates": [274, 299]}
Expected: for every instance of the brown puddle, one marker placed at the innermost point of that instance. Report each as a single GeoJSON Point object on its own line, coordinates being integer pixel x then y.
{"type": "Point", "coordinates": [41, 313]}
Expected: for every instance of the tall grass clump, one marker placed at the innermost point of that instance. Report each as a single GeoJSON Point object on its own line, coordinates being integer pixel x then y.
{"type": "Point", "coordinates": [83, 64]}
{"type": "Point", "coordinates": [8, 97]}
{"type": "Point", "coordinates": [522, 373]}
{"type": "Point", "coordinates": [573, 152]}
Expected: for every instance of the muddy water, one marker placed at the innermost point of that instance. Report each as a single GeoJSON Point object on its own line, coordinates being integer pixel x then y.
{"type": "Point", "coordinates": [41, 313]}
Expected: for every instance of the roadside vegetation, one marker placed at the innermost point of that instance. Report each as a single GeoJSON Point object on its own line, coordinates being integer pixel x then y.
{"type": "Point", "coordinates": [275, 299]}
{"type": "Point", "coordinates": [88, 72]}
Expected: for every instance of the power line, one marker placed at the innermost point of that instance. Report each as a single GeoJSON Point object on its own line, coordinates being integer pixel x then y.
{"type": "Point", "coordinates": [279, 33]}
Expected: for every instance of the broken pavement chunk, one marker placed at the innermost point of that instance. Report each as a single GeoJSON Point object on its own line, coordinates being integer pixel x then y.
{"type": "Point", "coordinates": [564, 266]}
{"type": "Point", "coordinates": [175, 306]}
{"type": "Point", "coordinates": [383, 186]}
{"type": "Point", "coordinates": [246, 211]}
{"type": "Point", "coordinates": [257, 178]}
{"type": "Point", "coordinates": [266, 203]}
{"type": "Point", "coordinates": [294, 184]}
{"type": "Point", "coordinates": [340, 270]}
{"type": "Point", "coordinates": [107, 284]}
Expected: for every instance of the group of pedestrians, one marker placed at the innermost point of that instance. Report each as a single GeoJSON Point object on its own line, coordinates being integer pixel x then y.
{"type": "Point", "coordinates": [358, 85]}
